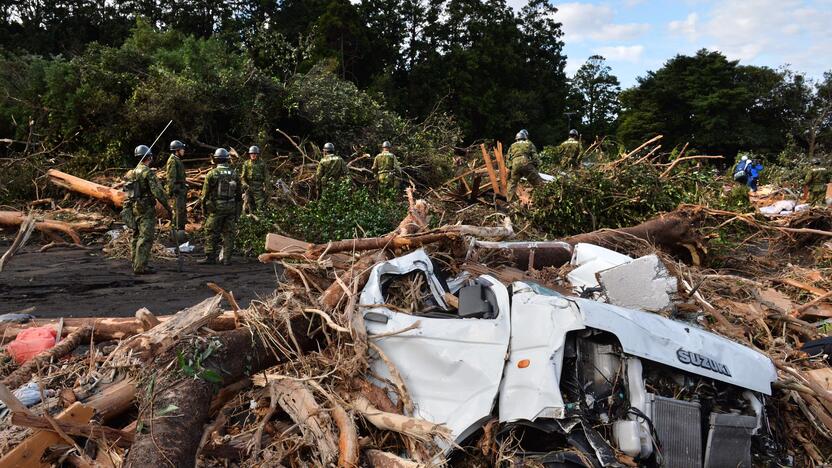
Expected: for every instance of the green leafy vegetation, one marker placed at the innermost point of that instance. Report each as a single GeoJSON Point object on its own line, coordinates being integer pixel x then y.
{"type": "Point", "coordinates": [190, 361]}
{"type": "Point", "coordinates": [588, 199]}
{"type": "Point", "coordinates": [344, 211]}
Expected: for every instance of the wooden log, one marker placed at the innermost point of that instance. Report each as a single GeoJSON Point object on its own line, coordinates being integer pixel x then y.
{"type": "Point", "coordinates": [13, 219]}
{"type": "Point", "coordinates": [89, 430]}
{"type": "Point", "coordinates": [174, 436]}
{"type": "Point", "coordinates": [106, 328]}
{"type": "Point", "coordinates": [97, 191]}
{"type": "Point", "coordinates": [22, 374]}
{"type": "Point", "coordinates": [85, 187]}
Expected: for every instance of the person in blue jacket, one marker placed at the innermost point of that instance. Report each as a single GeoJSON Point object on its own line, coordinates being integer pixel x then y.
{"type": "Point", "coordinates": [754, 168]}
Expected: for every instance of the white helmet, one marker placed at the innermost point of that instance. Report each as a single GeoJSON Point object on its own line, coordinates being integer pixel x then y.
{"type": "Point", "coordinates": [745, 157]}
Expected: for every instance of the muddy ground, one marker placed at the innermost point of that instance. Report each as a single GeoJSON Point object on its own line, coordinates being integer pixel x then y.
{"type": "Point", "coordinates": [81, 283]}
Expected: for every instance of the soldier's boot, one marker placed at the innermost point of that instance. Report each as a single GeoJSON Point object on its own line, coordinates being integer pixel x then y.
{"type": "Point", "coordinates": [210, 259]}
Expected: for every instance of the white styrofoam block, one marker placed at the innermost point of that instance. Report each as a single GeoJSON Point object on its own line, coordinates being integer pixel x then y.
{"type": "Point", "coordinates": [590, 259]}
{"type": "Point", "coordinates": [643, 284]}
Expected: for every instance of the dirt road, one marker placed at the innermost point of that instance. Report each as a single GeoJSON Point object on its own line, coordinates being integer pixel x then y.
{"type": "Point", "coordinates": [77, 283]}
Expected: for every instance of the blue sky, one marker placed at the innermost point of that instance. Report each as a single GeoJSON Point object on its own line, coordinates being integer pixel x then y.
{"type": "Point", "coordinates": [640, 35]}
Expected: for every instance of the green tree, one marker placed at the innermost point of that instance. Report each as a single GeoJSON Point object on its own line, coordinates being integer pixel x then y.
{"type": "Point", "coordinates": [595, 92]}
{"type": "Point", "coordinates": [715, 104]}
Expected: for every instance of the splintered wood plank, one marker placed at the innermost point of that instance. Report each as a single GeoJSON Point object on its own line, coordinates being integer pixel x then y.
{"type": "Point", "coordinates": [29, 452]}
{"type": "Point", "coordinates": [501, 164]}
{"type": "Point", "coordinates": [492, 175]}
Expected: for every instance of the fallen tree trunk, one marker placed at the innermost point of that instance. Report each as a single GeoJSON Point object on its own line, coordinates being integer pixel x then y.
{"type": "Point", "coordinates": [91, 189]}
{"type": "Point", "coordinates": [672, 232]}
{"type": "Point", "coordinates": [173, 437]}
{"type": "Point", "coordinates": [106, 329]}
{"type": "Point", "coordinates": [13, 219]}
{"type": "Point", "coordinates": [85, 187]}
{"type": "Point", "coordinates": [394, 241]}
{"type": "Point", "coordinates": [22, 374]}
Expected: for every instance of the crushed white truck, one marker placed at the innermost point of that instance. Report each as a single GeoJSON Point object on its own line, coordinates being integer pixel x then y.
{"type": "Point", "coordinates": [573, 380]}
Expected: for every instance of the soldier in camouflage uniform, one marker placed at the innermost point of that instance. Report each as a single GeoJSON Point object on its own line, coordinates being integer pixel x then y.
{"type": "Point", "coordinates": [386, 167]}
{"type": "Point", "coordinates": [815, 183]}
{"type": "Point", "coordinates": [139, 211]}
{"type": "Point", "coordinates": [176, 186]}
{"type": "Point", "coordinates": [523, 161]}
{"type": "Point", "coordinates": [331, 168]}
{"type": "Point", "coordinates": [255, 179]}
{"type": "Point", "coordinates": [222, 199]}
{"type": "Point", "coordinates": [569, 152]}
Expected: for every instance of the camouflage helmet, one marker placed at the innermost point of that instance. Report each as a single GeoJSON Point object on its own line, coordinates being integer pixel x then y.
{"type": "Point", "coordinates": [142, 151]}
{"type": "Point", "coordinates": [329, 147]}
{"type": "Point", "coordinates": [221, 154]}
{"type": "Point", "coordinates": [176, 145]}
{"type": "Point", "coordinates": [386, 144]}
{"type": "Point", "coordinates": [573, 133]}
{"type": "Point", "coordinates": [254, 150]}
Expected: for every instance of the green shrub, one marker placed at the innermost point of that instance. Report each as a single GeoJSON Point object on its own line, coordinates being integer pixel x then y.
{"type": "Point", "coordinates": [584, 200]}
{"type": "Point", "coordinates": [343, 212]}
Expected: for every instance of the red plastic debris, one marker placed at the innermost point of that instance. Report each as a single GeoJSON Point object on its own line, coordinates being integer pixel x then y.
{"type": "Point", "coordinates": [31, 342]}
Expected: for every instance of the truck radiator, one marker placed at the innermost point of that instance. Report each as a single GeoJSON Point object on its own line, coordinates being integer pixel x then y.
{"type": "Point", "coordinates": [678, 426]}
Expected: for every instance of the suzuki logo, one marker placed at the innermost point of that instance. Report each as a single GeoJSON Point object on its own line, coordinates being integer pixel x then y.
{"type": "Point", "coordinates": [698, 360]}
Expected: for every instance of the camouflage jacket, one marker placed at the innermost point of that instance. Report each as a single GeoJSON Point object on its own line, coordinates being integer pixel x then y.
{"type": "Point", "coordinates": [175, 172]}
{"type": "Point", "coordinates": [520, 150]}
{"type": "Point", "coordinates": [331, 167]}
{"type": "Point", "coordinates": [386, 162]}
{"type": "Point", "coordinates": [254, 174]}
{"type": "Point", "coordinates": [817, 178]}
{"type": "Point", "coordinates": [222, 190]}
{"type": "Point", "coordinates": [570, 152]}
{"type": "Point", "coordinates": [142, 187]}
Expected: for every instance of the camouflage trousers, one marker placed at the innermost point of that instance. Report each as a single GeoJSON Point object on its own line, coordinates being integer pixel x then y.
{"type": "Point", "coordinates": [519, 169]}
{"type": "Point", "coordinates": [220, 226]}
{"type": "Point", "coordinates": [255, 200]}
{"type": "Point", "coordinates": [142, 242]}
{"type": "Point", "coordinates": [179, 206]}
{"type": "Point", "coordinates": [817, 195]}
{"type": "Point", "coordinates": [387, 179]}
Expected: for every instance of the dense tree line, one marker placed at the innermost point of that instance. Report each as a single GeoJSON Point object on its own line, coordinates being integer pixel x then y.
{"type": "Point", "coordinates": [113, 72]}
{"type": "Point", "coordinates": [496, 69]}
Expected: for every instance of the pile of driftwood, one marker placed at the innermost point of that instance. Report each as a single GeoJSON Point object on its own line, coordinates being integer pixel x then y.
{"type": "Point", "coordinates": [287, 380]}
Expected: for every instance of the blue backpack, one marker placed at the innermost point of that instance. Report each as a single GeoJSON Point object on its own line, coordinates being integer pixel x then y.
{"type": "Point", "coordinates": [741, 171]}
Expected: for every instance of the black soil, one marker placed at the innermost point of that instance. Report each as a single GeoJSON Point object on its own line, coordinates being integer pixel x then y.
{"type": "Point", "coordinates": [81, 283]}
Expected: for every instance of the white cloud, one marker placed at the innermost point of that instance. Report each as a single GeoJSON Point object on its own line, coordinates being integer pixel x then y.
{"type": "Point", "coordinates": [621, 53]}
{"type": "Point", "coordinates": [686, 26]}
{"type": "Point", "coordinates": [583, 21]}
{"type": "Point", "coordinates": [764, 30]}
